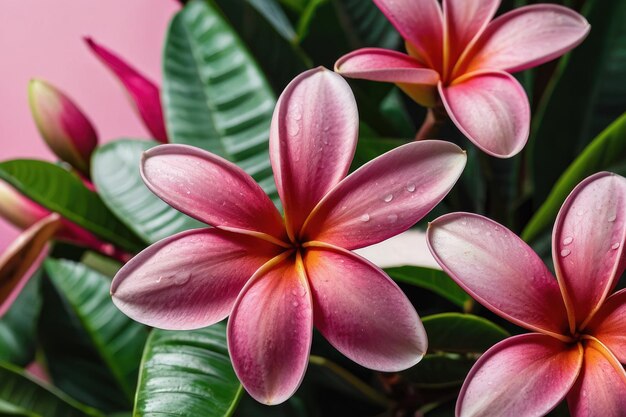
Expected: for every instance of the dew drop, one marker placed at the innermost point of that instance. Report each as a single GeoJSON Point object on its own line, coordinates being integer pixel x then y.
{"type": "Point", "coordinates": [568, 240]}
{"type": "Point", "coordinates": [612, 218]}
{"type": "Point", "coordinates": [464, 223]}
{"type": "Point", "coordinates": [565, 252]}
{"type": "Point", "coordinates": [388, 198]}
{"type": "Point", "coordinates": [410, 187]}
{"type": "Point", "coordinates": [580, 212]}
{"type": "Point", "coordinates": [182, 278]}
{"type": "Point", "coordinates": [365, 218]}
{"type": "Point", "coordinates": [392, 218]}
{"type": "Point", "coordinates": [295, 304]}
{"type": "Point", "coordinates": [615, 245]}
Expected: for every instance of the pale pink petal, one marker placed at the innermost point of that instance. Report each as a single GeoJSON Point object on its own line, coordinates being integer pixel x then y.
{"type": "Point", "coordinates": [387, 195]}
{"type": "Point", "coordinates": [270, 331]}
{"type": "Point", "coordinates": [312, 140]}
{"type": "Point", "coordinates": [420, 22]}
{"type": "Point", "coordinates": [528, 36]}
{"type": "Point", "coordinates": [362, 312]}
{"type": "Point", "coordinates": [17, 209]}
{"type": "Point", "coordinates": [463, 20]}
{"type": "Point", "coordinates": [609, 324]}
{"type": "Point", "coordinates": [491, 109]}
{"type": "Point", "coordinates": [600, 390]}
{"type": "Point", "coordinates": [144, 93]}
{"type": "Point", "coordinates": [588, 242]}
{"type": "Point", "coordinates": [189, 280]}
{"type": "Point", "coordinates": [526, 375]}
{"type": "Point", "coordinates": [23, 257]}
{"type": "Point", "coordinates": [210, 189]}
{"type": "Point", "coordinates": [499, 270]}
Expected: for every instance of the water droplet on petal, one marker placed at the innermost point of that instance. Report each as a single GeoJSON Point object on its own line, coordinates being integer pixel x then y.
{"type": "Point", "coordinates": [295, 304]}
{"type": "Point", "coordinates": [365, 218]}
{"type": "Point", "coordinates": [392, 218]}
{"type": "Point", "coordinates": [568, 240]}
{"type": "Point", "coordinates": [410, 187]}
{"type": "Point", "coordinates": [565, 252]}
{"type": "Point", "coordinates": [182, 278]}
{"type": "Point", "coordinates": [612, 218]}
{"type": "Point", "coordinates": [615, 245]}
{"type": "Point", "coordinates": [388, 198]}
{"type": "Point", "coordinates": [580, 212]}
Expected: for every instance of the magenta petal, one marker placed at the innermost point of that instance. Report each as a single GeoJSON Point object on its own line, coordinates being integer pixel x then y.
{"type": "Point", "coordinates": [609, 324]}
{"type": "Point", "coordinates": [463, 21]}
{"type": "Point", "coordinates": [387, 195]}
{"type": "Point", "coordinates": [588, 242]}
{"type": "Point", "coordinates": [419, 22]}
{"type": "Point", "coordinates": [23, 257]}
{"type": "Point", "coordinates": [528, 36]}
{"type": "Point", "coordinates": [362, 312]}
{"type": "Point", "coordinates": [210, 189]}
{"type": "Point", "coordinates": [144, 93]}
{"type": "Point", "coordinates": [189, 280]}
{"type": "Point", "coordinates": [312, 140]}
{"type": "Point", "coordinates": [601, 387]}
{"type": "Point", "coordinates": [526, 375]}
{"type": "Point", "coordinates": [270, 331]}
{"type": "Point", "coordinates": [492, 110]}
{"type": "Point", "coordinates": [499, 270]}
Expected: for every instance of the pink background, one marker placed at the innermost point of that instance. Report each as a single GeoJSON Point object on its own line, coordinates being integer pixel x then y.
{"type": "Point", "coordinates": [43, 39]}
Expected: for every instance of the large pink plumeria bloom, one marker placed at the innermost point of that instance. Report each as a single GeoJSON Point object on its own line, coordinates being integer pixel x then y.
{"type": "Point", "coordinates": [278, 277]}
{"type": "Point", "coordinates": [458, 58]}
{"type": "Point", "coordinates": [580, 331]}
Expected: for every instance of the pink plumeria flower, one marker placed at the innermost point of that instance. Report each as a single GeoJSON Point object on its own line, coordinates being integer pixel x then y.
{"type": "Point", "coordinates": [461, 59]}
{"type": "Point", "coordinates": [276, 277]}
{"type": "Point", "coordinates": [580, 331]}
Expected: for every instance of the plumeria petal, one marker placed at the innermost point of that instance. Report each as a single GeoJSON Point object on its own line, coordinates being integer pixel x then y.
{"type": "Point", "coordinates": [210, 189]}
{"type": "Point", "coordinates": [609, 325]}
{"type": "Point", "coordinates": [189, 280]}
{"type": "Point", "coordinates": [65, 128]}
{"type": "Point", "coordinates": [312, 140]}
{"type": "Point", "coordinates": [491, 109]}
{"type": "Point", "coordinates": [362, 312]}
{"type": "Point", "coordinates": [499, 270]}
{"type": "Point", "coordinates": [270, 331]}
{"type": "Point", "coordinates": [600, 390]}
{"type": "Point", "coordinates": [463, 20]}
{"type": "Point", "coordinates": [23, 257]}
{"type": "Point", "coordinates": [528, 36]}
{"type": "Point", "coordinates": [419, 22]}
{"type": "Point", "coordinates": [376, 64]}
{"type": "Point", "coordinates": [525, 375]}
{"type": "Point", "coordinates": [386, 196]}
{"type": "Point", "coordinates": [144, 93]}
{"type": "Point", "coordinates": [588, 242]}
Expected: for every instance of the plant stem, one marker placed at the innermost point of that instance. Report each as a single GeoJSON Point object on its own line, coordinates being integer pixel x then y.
{"type": "Point", "coordinates": [433, 124]}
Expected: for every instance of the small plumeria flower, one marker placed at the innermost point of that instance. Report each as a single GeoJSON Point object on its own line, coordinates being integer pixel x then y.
{"type": "Point", "coordinates": [460, 58]}
{"type": "Point", "coordinates": [579, 340]}
{"type": "Point", "coordinates": [278, 277]}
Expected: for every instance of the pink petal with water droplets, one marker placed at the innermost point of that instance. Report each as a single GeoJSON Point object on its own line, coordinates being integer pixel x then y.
{"type": "Point", "coordinates": [312, 140]}
{"type": "Point", "coordinates": [588, 242]}
{"type": "Point", "coordinates": [528, 36]}
{"type": "Point", "coordinates": [189, 280]}
{"type": "Point", "coordinates": [362, 312]}
{"type": "Point", "coordinates": [270, 331]}
{"type": "Point", "coordinates": [609, 325]}
{"type": "Point", "coordinates": [420, 22]}
{"type": "Point", "coordinates": [492, 110]}
{"type": "Point", "coordinates": [387, 195]}
{"type": "Point", "coordinates": [210, 189]}
{"type": "Point", "coordinates": [526, 375]}
{"type": "Point", "coordinates": [499, 270]}
{"type": "Point", "coordinates": [463, 20]}
{"type": "Point", "coordinates": [144, 93]}
{"type": "Point", "coordinates": [601, 387]}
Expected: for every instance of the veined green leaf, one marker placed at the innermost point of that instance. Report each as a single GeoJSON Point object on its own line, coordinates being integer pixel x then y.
{"type": "Point", "coordinates": [214, 94]}
{"type": "Point", "coordinates": [367, 24]}
{"type": "Point", "coordinates": [115, 171]}
{"type": "Point", "coordinates": [187, 374]}
{"type": "Point", "coordinates": [60, 191]}
{"type": "Point", "coordinates": [439, 371]}
{"type": "Point", "coordinates": [455, 332]}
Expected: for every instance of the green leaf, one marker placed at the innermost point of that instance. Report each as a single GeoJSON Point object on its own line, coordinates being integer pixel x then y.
{"type": "Point", "coordinates": [455, 332]}
{"type": "Point", "coordinates": [366, 24]}
{"type": "Point", "coordinates": [605, 152]}
{"type": "Point", "coordinates": [20, 394]}
{"type": "Point", "coordinates": [115, 172]}
{"type": "Point", "coordinates": [368, 148]}
{"type": "Point", "coordinates": [60, 191]}
{"type": "Point", "coordinates": [187, 374]}
{"type": "Point", "coordinates": [92, 349]}
{"type": "Point", "coordinates": [214, 94]}
{"type": "Point", "coordinates": [431, 279]}
{"type": "Point", "coordinates": [563, 119]}
{"type": "Point", "coordinates": [439, 371]}
{"type": "Point", "coordinates": [18, 327]}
